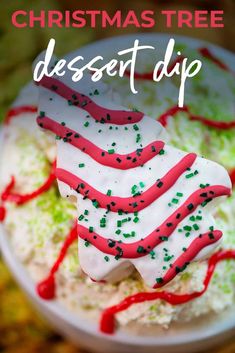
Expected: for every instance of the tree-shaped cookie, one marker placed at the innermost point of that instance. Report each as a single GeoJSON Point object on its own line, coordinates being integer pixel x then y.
{"type": "Point", "coordinates": [141, 203]}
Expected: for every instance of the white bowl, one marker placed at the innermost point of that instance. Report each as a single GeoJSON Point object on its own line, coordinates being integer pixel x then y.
{"type": "Point", "coordinates": [199, 334]}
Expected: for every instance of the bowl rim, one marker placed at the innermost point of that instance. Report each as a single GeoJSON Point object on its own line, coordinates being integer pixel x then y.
{"type": "Point", "coordinates": [25, 281]}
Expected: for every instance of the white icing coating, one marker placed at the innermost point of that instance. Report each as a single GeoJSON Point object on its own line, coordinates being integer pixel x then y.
{"type": "Point", "coordinates": [104, 178]}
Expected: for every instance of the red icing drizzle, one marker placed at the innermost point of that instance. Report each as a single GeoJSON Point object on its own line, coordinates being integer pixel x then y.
{"type": "Point", "coordinates": [107, 322]}
{"type": "Point", "coordinates": [19, 199]}
{"type": "Point", "coordinates": [128, 204]}
{"type": "Point", "coordinates": [46, 288]}
{"type": "Point", "coordinates": [232, 176]}
{"type": "Point", "coordinates": [208, 54]}
{"type": "Point", "coordinates": [13, 112]}
{"type": "Point", "coordinates": [221, 125]}
{"type": "Point", "coordinates": [97, 112]}
{"type": "Point", "coordinates": [115, 160]}
{"type": "Point", "coordinates": [130, 250]}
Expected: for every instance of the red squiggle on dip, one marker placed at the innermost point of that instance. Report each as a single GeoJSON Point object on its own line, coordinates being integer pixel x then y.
{"type": "Point", "coordinates": [8, 195]}
{"type": "Point", "coordinates": [171, 112]}
{"type": "Point", "coordinates": [209, 55]}
{"type": "Point", "coordinates": [46, 289]}
{"type": "Point", "coordinates": [107, 322]}
{"type": "Point", "coordinates": [16, 111]}
{"type": "Point", "coordinates": [19, 199]}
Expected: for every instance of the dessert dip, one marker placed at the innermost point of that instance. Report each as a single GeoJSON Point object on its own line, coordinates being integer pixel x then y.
{"type": "Point", "coordinates": [120, 206]}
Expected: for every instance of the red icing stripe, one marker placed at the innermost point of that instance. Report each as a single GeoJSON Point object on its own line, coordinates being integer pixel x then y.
{"type": "Point", "coordinates": [190, 253]}
{"type": "Point", "coordinates": [46, 288]}
{"type": "Point", "coordinates": [128, 204]}
{"type": "Point", "coordinates": [142, 247]}
{"type": "Point", "coordinates": [16, 111]}
{"type": "Point", "coordinates": [115, 160]}
{"type": "Point", "coordinates": [96, 111]}
{"type": "Point", "coordinates": [107, 321]}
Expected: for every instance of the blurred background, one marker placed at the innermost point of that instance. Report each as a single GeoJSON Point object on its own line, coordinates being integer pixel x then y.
{"type": "Point", "coordinates": [21, 329]}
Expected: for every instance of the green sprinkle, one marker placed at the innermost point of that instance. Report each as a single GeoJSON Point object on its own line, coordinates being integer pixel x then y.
{"type": "Point", "coordinates": [192, 218]}
{"type": "Point", "coordinates": [138, 138]}
{"type": "Point", "coordinates": [164, 238]}
{"type": "Point", "coordinates": [119, 223]}
{"type": "Point", "coordinates": [80, 218]}
{"type": "Point", "coordinates": [112, 151]}
{"type": "Point", "coordinates": [129, 235]}
{"type": "Point", "coordinates": [81, 165]}
{"type": "Point", "coordinates": [135, 127]}
{"type": "Point", "coordinates": [86, 124]}
{"type": "Point", "coordinates": [118, 231]}
{"type": "Point", "coordinates": [95, 204]}
{"type": "Point", "coordinates": [106, 258]}
{"type": "Point", "coordinates": [140, 249]}
{"type": "Point", "coordinates": [188, 228]}
{"type": "Point", "coordinates": [188, 176]}
{"type": "Point", "coordinates": [109, 192]}
{"type": "Point", "coordinates": [86, 243]}
{"type": "Point", "coordinates": [175, 201]}
{"type": "Point", "coordinates": [86, 212]}
{"type": "Point", "coordinates": [142, 185]}
{"type": "Point", "coordinates": [195, 226]}
{"type": "Point", "coordinates": [102, 223]}
{"type": "Point", "coordinates": [136, 220]}
{"type": "Point", "coordinates": [159, 280]}
{"type": "Point", "coordinates": [161, 152]}
{"type": "Point", "coordinates": [91, 229]}
{"type": "Point", "coordinates": [179, 194]}
{"type": "Point", "coordinates": [168, 258]}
